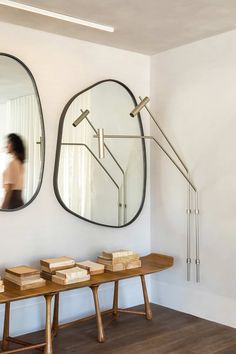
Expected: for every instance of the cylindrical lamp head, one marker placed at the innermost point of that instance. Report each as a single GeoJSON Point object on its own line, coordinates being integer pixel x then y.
{"type": "Point", "coordinates": [81, 117]}
{"type": "Point", "coordinates": [138, 108]}
{"type": "Point", "coordinates": [101, 148]}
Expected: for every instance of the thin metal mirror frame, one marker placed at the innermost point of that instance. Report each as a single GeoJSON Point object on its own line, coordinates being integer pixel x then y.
{"type": "Point", "coordinates": [58, 152]}
{"type": "Point", "coordinates": [42, 129]}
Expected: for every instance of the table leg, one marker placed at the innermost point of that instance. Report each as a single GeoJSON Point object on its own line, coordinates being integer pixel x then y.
{"type": "Point", "coordinates": [48, 332]}
{"type": "Point", "coordinates": [5, 342]}
{"type": "Point", "coordinates": [148, 309]}
{"type": "Point", "coordinates": [101, 338]}
{"type": "Point", "coordinates": [55, 323]}
{"type": "Point", "coordinates": [115, 299]}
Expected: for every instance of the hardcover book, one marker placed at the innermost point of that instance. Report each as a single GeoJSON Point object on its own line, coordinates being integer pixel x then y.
{"type": "Point", "coordinates": [63, 281]}
{"type": "Point", "coordinates": [22, 271]}
{"type": "Point", "coordinates": [39, 283]}
{"type": "Point", "coordinates": [92, 267]}
{"type": "Point", "coordinates": [72, 273]}
{"type": "Point", "coordinates": [56, 263]}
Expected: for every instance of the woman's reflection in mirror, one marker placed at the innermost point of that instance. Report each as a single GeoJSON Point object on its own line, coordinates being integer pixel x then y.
{"type": "Point", "coordinates": [13, 176]}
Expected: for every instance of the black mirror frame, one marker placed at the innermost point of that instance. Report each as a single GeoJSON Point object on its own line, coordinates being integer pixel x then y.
{"type": "Point", "coordinates": [58, 151]}
{"type": "Point", "coordinates": [42, 129]}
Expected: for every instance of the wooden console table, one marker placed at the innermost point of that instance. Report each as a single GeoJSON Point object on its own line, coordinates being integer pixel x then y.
{"type": "Point", "coordinates": [150, 264]}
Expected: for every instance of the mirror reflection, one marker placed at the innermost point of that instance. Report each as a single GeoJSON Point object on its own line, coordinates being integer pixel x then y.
{"type": "Point", "coordinates": [21, 135]}
{"type": "Point", "coordinates": [106, 191]}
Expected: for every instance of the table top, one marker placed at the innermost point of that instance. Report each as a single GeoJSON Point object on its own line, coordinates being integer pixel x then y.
{"type": "Point", "coordinates": [151, 263]}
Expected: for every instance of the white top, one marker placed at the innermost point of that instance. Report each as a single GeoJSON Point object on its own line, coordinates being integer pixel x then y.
{"type": "Point", "coordinates": [14, 174]}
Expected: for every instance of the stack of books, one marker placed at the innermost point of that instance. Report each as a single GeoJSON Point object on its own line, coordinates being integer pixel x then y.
{"type": "Point", "coordinates": [23, 277]}
{"type": "Point", "coordinates": [119, 260]}
{"type": "Point", "coordinates": [50, 266]}
{"type": "Point", "coordinates": [92, 267]}
{"type": "Point", "coordinates": [2, 289]}
{"type": "Point", "coordinates": [70, 276]}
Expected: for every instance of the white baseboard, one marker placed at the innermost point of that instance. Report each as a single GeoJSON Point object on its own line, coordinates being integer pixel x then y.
{"type": "Point", "coordinates": [190, 300]}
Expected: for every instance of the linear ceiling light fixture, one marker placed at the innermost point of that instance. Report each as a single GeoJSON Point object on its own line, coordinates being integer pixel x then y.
{"type": "Point", "coordinates": [58, 16]}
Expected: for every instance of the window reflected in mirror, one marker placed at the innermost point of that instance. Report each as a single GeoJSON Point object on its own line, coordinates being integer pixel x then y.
{"type": "Point", "coordinates": [21, 135]}
{"type": "Point", "coordinates": [106, 191]}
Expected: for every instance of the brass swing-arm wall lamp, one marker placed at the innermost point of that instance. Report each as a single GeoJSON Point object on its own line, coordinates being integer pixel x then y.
{"type": "Point", "coordinates": [136, 110]}
{"type": "Point", "coordinates": [123, 202]}
{"type": "Point", "coordinates": [101, 136]}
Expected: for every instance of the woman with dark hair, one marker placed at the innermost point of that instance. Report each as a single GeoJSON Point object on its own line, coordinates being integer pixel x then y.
{"type": "Point", "coordinates": [13, 176]}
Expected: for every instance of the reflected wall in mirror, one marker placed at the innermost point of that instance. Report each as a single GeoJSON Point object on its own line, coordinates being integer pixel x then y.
{"type": "Point", "coordinates": [21, 135]}
{"type": "Point", "coordinates": [109, 191]}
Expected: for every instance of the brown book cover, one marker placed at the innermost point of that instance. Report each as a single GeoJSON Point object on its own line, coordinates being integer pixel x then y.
{"type": "Point", "coordinates": [22, 271]}
{"type": "Point", "coordinates": [41, 282]}
{"type": "Point", "coordinates": [62, 281]}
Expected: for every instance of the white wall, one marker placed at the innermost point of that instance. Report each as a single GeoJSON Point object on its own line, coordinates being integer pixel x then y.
{"type": "Point", "coordinates": [193, 91]}
{"type": "Point", "coordinates": [63, 67]}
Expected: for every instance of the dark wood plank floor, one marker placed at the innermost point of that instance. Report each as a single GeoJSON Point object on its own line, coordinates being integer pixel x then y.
{"type": "Point", "coordinates": [170, 332]}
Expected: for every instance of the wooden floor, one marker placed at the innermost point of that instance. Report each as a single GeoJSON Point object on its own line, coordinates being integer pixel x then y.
{"type": "Point", "coordinates": [170, 332]}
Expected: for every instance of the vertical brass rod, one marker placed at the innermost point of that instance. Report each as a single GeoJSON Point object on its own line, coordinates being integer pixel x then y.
{"type": "Point", "coordinates": [188, 260]}
{"type": "Point", "coordinates": [197, 261]}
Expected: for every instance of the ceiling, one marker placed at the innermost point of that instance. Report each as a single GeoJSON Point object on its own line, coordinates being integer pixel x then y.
{"type": "Point", "coordinates": [144, 26]}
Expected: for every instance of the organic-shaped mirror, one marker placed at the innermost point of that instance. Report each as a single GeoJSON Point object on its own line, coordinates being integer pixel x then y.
{"type": "Point", "coordinates": [21, 135]}
{"type": "Point", "coordinates": [110, 191]}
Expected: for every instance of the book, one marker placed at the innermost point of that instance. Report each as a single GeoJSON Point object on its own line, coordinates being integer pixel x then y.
{"type": "Point", "coordinates": [117, 254]}
{"type": "Point", "coordinates": [92, 267]}
{"type": "Point", "coordinates": [134, 264]}
{"type": "Point", "coordinates": [107, 261]}
{"type": "Point", "coordinates": [2, 288]}
{"type": "Point", "coordinates": [63, 281]}
{"type": "Point", "coordinates": [22, 281]}
{"type": "Point", "coordinates": [46, 275]}
{"type": "Point", "coordinates": [56, 263]}
{"type": "Point", "coordinates": [115, 267]}
{"type": "Point", "coordinates": [53, 271]}
{"type": "Point", "coordinates": [119, 260]}
{"type": "Point", "coordinates": [40, 282]}
{"type": "Point", "coordinates": [22, 271]}
{"type": "Point", "coordinates": [72, 273]}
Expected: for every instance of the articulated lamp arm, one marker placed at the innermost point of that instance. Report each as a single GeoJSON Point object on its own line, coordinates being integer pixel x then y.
{"type": "Point", "coordinates": [101, 138]}
{"type": "Point", "coordinates": [100, 135]}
